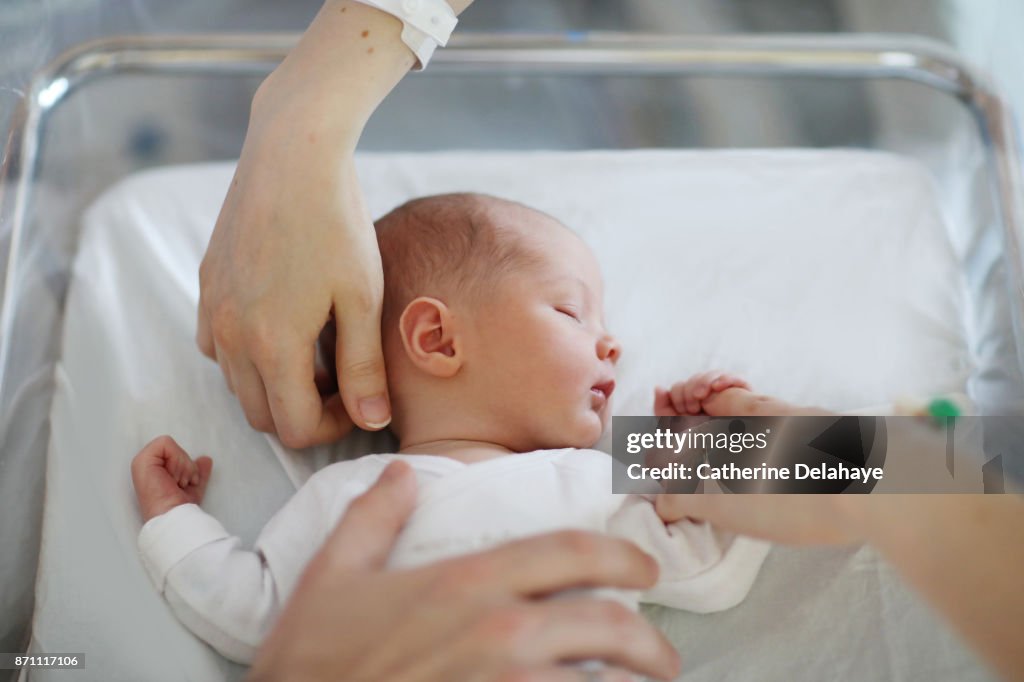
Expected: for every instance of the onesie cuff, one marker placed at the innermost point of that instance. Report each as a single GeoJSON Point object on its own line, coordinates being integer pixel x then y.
{"type": "Point", "coordinates": [167, 539]}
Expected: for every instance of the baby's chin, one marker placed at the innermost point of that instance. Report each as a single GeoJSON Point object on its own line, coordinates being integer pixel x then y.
{"type": "Point", "coordinates": [582, 431]}
{"type": "Point", "coordinates": [587, 432]}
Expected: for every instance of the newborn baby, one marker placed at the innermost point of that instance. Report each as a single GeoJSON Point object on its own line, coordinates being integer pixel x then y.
{"type": "Point", "coordinates": [500, 374]}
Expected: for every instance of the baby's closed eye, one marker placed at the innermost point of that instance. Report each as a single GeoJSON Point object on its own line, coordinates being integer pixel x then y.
{"type": "Point", "coordinates": [569, 311]}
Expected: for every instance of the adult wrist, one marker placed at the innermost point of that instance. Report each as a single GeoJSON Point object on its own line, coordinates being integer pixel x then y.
{"type": "Point", "coordinates": [345, 64]}
{"type": "Point", "coordinates": [851, 514]}
{"type": "Point", "coordinates": [326, 119]}
{"type": "Point", "coordinates": [426, 24]}
{"type": "Point", "coordinates": [889, 522]}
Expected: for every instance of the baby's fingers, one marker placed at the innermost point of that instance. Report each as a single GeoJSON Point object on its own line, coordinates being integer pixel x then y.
{"type": "Point", "coordinates": [178, 464]}
{"type": "Point", "coordinates": [184, 470]}
{"type": "Point", "coordinates": [663, 406]}
{"type": "Point", "coordinates": [149, 462]}
{"type": "Point", "coordinates": [197, 487]}
{"type": "Point", "coordinates": [678, 395]}
{"type": "Point", "coordinates": [685, 397]}
{"type": "Point", "coordinates": [194, 474]}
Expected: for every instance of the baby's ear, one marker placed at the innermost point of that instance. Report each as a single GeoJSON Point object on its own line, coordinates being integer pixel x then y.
{"type": "Point", "coordinates": [429, 337]}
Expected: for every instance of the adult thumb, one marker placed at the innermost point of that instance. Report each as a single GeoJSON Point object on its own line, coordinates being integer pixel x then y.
{"type": "Point", "coordinates": [366, 533]}
{"type": "Point", "coordinates": [360, 364]}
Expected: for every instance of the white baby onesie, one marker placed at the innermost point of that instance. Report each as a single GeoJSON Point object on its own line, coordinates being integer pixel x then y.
{"type": "Point", "coordinates": [230, 596]}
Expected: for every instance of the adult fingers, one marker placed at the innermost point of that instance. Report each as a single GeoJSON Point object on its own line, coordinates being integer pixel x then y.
{"type": "Point", "coordinates": [360, 364]}
{"type": "Point", "coordinates": [526, 640]}
{"type": "Point", "coordinates": [727, 380]}
{"type": "Point", "coordinates": [672, 508]}
{"type": "Point", "coordinates": [326, 362]}
{"type": "Point", "coordinates": [791, 519]}
{"type": "Point", "coordinates": [366, 533]}
{"type": "Point", "coordinates": [701, 385]}
{"type": "Point", "coordinates": [301, 417]}
{"type": "Point", "coordinates": [529, 635]}
{"type": "Point", "coordinates": [564, 673]}
{"type": "Point", "coordinates": [594, 629]}
{"type": "Point", "coordinates": [222, 360]}
{"type": "Point", "coordinates": [252, 394]}
{"type": "Point", "coordinates": [204, 335]}
{"type": "Point", "coordinates": [543, 564]}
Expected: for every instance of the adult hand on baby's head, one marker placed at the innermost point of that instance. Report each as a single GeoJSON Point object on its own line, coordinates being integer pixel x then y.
{"type": "Point", "coordinates": [478, 617]}
{"type": "Point", "coordinates": [293, 245]}
{"type": "Point", "coordinates": [165, 476]}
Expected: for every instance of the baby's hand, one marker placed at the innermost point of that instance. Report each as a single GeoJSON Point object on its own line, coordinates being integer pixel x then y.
{"type": "Point", "coordinates": [693, 396]}
{"type": "Point", "coordinates": [165, 477]}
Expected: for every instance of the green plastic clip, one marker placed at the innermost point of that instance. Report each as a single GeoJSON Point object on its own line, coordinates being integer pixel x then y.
{"type": "Point", "coordinates": [943, 411]}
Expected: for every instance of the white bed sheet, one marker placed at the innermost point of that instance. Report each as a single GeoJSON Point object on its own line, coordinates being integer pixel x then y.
{"type": "Point", "coordinates": [823, 277]}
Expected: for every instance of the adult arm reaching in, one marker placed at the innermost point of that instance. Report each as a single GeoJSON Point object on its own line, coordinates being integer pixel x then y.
{"type": "Point", "coordinates": [294, 245]}
{"type": "Point", "coordinates": [923, 536]}
{"type": "Point", "coordinates": [963, 553]}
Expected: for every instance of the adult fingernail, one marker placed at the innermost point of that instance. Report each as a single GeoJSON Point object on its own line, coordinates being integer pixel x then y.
{"type": "Point", "coordinates": [375, 411]}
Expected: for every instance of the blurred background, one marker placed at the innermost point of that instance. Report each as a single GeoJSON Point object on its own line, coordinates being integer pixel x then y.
{"type": "Point", "coordinates": [987, 31]}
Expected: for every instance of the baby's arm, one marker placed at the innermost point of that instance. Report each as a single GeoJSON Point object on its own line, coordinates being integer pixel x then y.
{"type": "Point", "coordinates": [225, 595]}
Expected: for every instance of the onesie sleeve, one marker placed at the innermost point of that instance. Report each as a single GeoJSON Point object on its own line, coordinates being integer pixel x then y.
{"type": "Point", "coordinates": [226, 595]}
{"type": "Point", "coordinates": [703, 569]}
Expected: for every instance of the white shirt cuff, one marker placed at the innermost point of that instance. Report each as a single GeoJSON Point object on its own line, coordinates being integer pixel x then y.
{"type": "Point", "coordinates": [167, 539]}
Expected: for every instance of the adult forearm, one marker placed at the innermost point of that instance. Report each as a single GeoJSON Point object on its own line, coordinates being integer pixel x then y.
{"type": "Point", "coordinates": [346, 63]}
{"type": "Point", "coordinates": [965, 554]}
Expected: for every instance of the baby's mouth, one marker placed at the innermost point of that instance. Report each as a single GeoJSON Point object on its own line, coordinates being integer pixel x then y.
{"type": "Point", "coordinates": [603, 390]}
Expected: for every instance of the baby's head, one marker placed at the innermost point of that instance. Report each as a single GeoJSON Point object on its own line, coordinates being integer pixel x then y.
{"type": "Point", "coordinates": [493, 326]}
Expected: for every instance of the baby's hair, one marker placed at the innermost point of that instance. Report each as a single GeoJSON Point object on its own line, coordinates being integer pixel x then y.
{"type": "Point", "coordinates": [449, 245]}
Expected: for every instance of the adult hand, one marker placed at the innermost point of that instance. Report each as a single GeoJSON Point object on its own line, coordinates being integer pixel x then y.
{"type": "Point", "coordinates": [294, 244]}
{"type": "Point", "coordinates": [474, 618]}
{"type": "Point", "coordinates": [789, 519]}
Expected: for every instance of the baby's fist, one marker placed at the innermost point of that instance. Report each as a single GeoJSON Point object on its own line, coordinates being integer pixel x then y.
{"type": "Point", "coordinates": [688, 397]}
{"type": "Point", "coordinates": [165, 476]}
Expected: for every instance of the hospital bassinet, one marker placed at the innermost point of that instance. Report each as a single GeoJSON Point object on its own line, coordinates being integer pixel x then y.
{"type": "Point", "coordinates": [585, 92]}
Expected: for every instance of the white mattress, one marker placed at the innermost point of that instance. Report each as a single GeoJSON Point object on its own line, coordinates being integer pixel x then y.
{"type": "Point", "coordinates": [823, 277]}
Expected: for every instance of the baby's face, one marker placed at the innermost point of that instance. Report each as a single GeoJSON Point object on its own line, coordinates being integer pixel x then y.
{"type": "Point", "coordinates": [542, 345]}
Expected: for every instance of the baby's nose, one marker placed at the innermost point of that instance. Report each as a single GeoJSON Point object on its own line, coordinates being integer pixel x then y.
{"type": "Point", "coordinates": [608, 348]}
